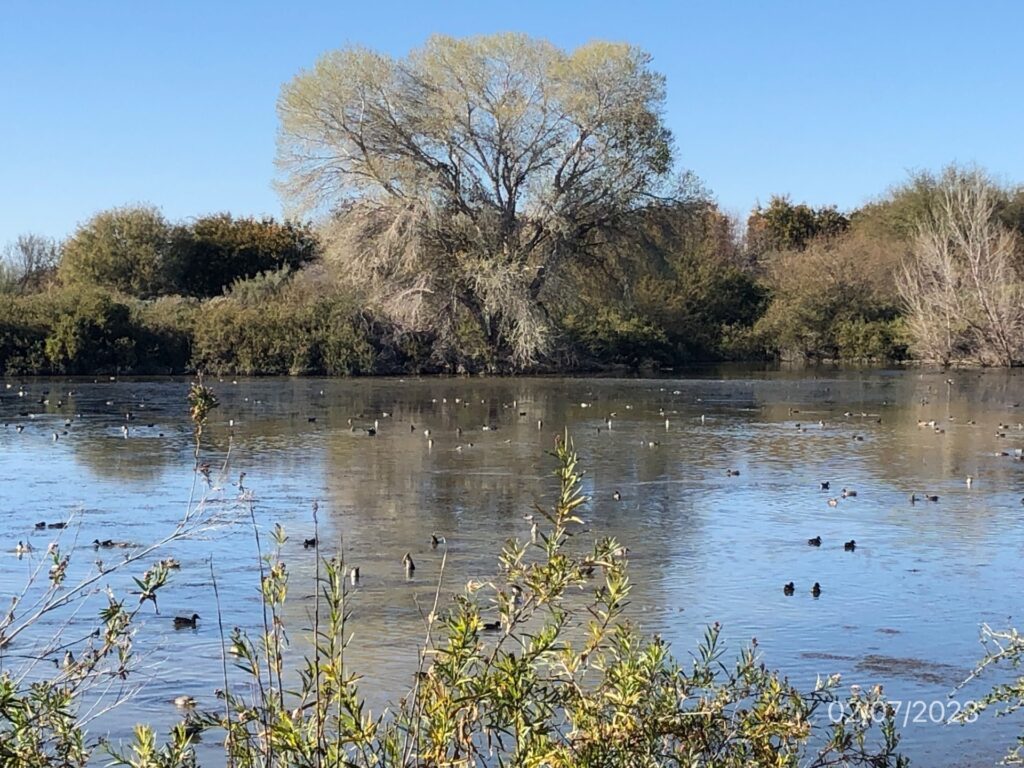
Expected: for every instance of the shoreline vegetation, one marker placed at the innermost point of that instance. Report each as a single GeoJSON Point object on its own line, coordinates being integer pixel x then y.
{"type": "Point", "coordinates": [496, 204]}
{"type": "Point", "coordinates": [131, 293]}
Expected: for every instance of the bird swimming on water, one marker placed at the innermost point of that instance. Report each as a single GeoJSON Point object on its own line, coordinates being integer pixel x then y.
{"type": "Point", "coordinates": [816, 589]}
{"type": "Point", "coordinates": [182, 622]}
{"type": "Point", "coordinates": [410, 566]}
{"type": "Point", "coordinates": [789, 589]}
{"type": "Point", "coordinates": [815, 542]}
{"type": "Point", "coordinates": [850, 546]}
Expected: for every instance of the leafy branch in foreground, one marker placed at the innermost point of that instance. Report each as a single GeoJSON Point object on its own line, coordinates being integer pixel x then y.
{"type": "Point", "coordinates": [1003, 648]}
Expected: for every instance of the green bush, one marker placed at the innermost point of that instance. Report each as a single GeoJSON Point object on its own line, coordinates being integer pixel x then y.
{"type": "Point", "coordinates": [609, 335]}
{"type": "Point", "coordinates": [22, 335]}
{"type": "Point", "coordinates": [268, 327]}
{"type": "Point", "coordinates": [123, 249]}
{"type": "Point", "coordinates": [860, 339]}
{"type": "Point", "coordinates": [92, 333]}
{"type": "Point", "coordinates": [212, 252]}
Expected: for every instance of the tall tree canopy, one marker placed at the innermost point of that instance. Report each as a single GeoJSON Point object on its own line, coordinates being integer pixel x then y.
{"type": "Point", "coordinates": [461, 179]}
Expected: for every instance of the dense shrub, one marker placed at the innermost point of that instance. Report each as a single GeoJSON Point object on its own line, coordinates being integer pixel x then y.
{"type": "Point", "coordinates": [212, 252]}
{"type": "Point", "coordinates": [609, 335]}
{"type": "Point", "coordinates": [124, 249]}
{"type": "Point", "coordinates": [22, 337]}
{"type": "Point", "coordinates": [93, 332]}
{"type": "Point", "coordinates": [861, 339]}
{"type": "Point", "coordinates": [263, 328]}
{"type": "Point", "coordinates": [834, 299]}
{"type": "Point", "coordinates": [698, 305]}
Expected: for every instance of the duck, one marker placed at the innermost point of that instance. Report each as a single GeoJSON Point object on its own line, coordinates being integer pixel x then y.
{"type": "Point", "coordinates": [913, 498]}
{"type": "Point", "coordinates": [309, 543]}
{"type": "Point", "coordinates": [789, 589]}
{"type": "Point", "coordinates": [435, 540]}
{"type": "Point", "coordinates": [22, 548]}
{"type": "Point", "coordinates": [850, 546]}
{"type": "Point", "coordinates": [969, 481]}
{"type": "Point", "coordinates": [848, 494]}
{"type": "Point", "coordinates": [410, 566]}
{"type": "Point", "coordinates": [59, 525]}
{"type": "Point", "coordinates": [182, 622]}
{"type": "Point", "coordinates": [110, 544]}
{"type": "Point", "coordinates": [833, 502]}
{"type": "Point", "coordinates": [184, 702]}
{"type": "Point", "coordinates": [732, 473]}
{"type": "Point", "coordinates": [816, 589]}
{"type": "Point", "coordinates": [617, 496]}
{"type": "Point", "coordinates": [170, 564]}
{"type": "Point", "coordinates": [815, 542]}
{"type": "Point", "coordinates": [40, 525]}
{"type": "Point", "coordinates": [932, 498]}
{"type": "Point", "coordinates": [353, 575]}
{"type": "Point", "coordinates": [492, 626]}
{"type": "Point", "coordinates": [825, 485]}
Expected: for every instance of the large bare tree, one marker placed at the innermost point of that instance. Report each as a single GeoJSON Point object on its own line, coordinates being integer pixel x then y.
{"type": "Point", "coordinates": [962, 286]}
{"type": "Point", "coordinates": [460, 180]}
{"type": "Point", "coordinates": [29, 258]}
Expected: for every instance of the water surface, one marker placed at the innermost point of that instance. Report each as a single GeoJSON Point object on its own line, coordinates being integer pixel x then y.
{"type": "Point", "coordinates": [705, 544]}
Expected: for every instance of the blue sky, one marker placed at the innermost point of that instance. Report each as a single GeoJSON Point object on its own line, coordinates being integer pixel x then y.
{"type": "Point", "coordinates": [172, 103]}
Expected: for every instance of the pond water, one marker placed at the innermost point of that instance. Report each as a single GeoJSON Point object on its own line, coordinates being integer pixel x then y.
{"type": "Point", "coordinates": [903, 609]}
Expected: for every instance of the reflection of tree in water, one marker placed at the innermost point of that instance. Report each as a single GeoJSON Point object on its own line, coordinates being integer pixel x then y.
{"type": "Point", "coordinates": [139, 458]}
{"type": "Point", "coordinates": [388, 493]}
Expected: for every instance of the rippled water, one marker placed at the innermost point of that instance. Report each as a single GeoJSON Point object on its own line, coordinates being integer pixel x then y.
{"type": "Point", "coordinates": [903, 610]}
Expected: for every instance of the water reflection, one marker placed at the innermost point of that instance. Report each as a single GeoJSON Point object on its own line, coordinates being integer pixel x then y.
{"type": "Point", "coordinates": [705, 544]}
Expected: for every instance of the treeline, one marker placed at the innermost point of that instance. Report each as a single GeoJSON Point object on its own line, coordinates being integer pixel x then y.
{"type": "Point", "coordinates": [499, 204]}
{"type": "Point", "coordinates": [129, 291]}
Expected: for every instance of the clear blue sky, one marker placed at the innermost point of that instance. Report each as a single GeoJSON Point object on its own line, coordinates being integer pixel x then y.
{"type": "Point", "coordinates": [172, 103]}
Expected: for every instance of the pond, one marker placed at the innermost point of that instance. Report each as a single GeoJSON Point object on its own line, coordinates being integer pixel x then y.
{"type": "Point", "coordinates": [718, 476]}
